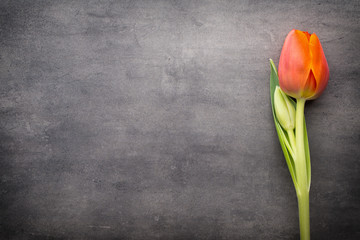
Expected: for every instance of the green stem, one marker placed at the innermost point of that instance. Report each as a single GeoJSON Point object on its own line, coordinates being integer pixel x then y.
{"type": "Point", "coordinates": [300, 163]}
{"type": "Point", "coordinates": [304, 216]}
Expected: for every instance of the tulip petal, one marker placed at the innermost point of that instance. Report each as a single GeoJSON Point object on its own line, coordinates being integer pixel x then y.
{"type": "Point", "coordinates": [295, 63]}
{"type": "Point", "coordinates": [310, 86]}
{"type": "Point", "coordinates": [319, 65]}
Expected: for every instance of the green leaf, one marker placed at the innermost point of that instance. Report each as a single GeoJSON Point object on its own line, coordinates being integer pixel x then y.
{"type": "Point", "coordinates": [288, 157]}
{"type": "Point", "coordinates": [274, 81]}
{"type": "Point", "coordinates": [307, 157]}
{"type": "Point", "coordinates": [283, 137]}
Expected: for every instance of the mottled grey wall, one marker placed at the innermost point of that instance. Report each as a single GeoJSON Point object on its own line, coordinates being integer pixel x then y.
{"type": "Point", "coordinates": [151, 120]}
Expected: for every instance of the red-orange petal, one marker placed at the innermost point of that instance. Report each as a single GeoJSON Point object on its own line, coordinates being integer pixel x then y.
{"type": "Point", "coordinates": [295, 63]}
{"type": "Point", "coordinates": [319, 65]}
{"type": "Point", "coordinates": [309, 89]}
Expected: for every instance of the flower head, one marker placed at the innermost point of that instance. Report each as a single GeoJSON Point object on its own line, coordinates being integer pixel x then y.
{"type": "Point", "coordinates": [303, 69]}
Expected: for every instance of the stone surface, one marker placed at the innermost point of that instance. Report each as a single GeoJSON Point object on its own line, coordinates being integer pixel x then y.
{"type": "Point", "coordinates": [151, 120]}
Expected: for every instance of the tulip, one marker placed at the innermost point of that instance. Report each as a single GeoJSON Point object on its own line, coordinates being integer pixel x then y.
{"type": "Point", "coordinates": [303, 69]}
{"type": "Point", "coordinates": [303, 74]}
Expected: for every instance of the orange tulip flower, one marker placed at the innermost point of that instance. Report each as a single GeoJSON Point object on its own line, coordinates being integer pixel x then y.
{"type": "Point", "coordinates": [303, 69]}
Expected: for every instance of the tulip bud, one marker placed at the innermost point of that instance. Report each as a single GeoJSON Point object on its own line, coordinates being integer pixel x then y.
{"type": "Point", "coordinates": [285, 111]}
{"type": "Point", "coordinates": [303, 69]}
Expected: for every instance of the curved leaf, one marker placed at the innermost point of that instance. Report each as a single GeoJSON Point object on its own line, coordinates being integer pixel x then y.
{"type": "Point", "coordinates": [307, 157]}
{"type": "Point", "coordinates": [283, 137]}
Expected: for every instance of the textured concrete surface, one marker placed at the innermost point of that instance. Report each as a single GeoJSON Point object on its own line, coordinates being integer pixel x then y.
{"type": "Point", "coordinates": [151, 120]}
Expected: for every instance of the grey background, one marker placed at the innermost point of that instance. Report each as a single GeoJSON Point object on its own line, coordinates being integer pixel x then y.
{"type": "Point", "coordinates": [152, 120]}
